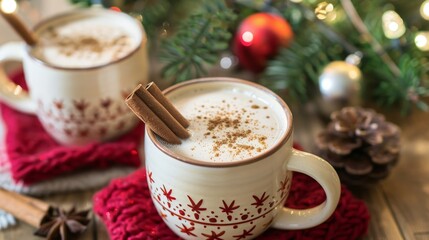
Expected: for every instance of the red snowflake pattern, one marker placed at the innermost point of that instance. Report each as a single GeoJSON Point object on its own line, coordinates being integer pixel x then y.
{"type": "Point", "coordinates": [80, 105]}
{"type": "Point", "coordinates": [96, 114]}
{"type": "Point", "coordinates": [83, 132]}
{"type": "Point", "coordinates": [187, 230]}
{"type": "Point", "coordinates": [196, 207]}
{"type": "Point", "coordinates": [150, 177]}
{"type": "Point", "coordinates": [68, 132]}
{"type": "Point", "coordinates": [213, 235]}
{"type": "Point", "coordinates": [283, 185]}
{"type": "Point", "coordinates": [58, 104]}
{"type": "Point", "coordinates": [228, 208]}
{"type": "Point", "coordinates": [167, 193]}
{"type": "Point", "coordinates": [102, 131]}
{"type": "Point", "coordinates": [259, 201]}
{"type": "Point", "coordinates": [105, 103]}
{"type": "Point", "coordinates": [246, 233]}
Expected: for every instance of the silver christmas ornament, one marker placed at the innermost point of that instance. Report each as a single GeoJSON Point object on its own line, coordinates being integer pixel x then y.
{"type": "Point", "coordinates": [340, 84]}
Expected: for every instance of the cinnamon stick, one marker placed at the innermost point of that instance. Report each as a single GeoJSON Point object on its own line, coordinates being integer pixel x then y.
{"type": "Point", "coordinates": [157, 94]}
{"type": "Point", "coordinates": [22, 208]}
{"type": "Point", "coordinates": [44, 206]}
{"type": "Point", "coordinates": [161, 112]}
{"type": "Point", "coordinates": [150, 118]}
{"type": "Point", "coordinates": [19, 27]}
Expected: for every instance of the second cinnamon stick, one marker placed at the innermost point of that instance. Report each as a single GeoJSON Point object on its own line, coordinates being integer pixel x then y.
{"type": "Point", "coordinates": [21, 208]}
{"type": "Point", "coordinates": [161, 112]}
{"type": "Point", "coordinates": [32, 201]}
{"type": "Point", "coordinates": [20, 28]}
{"type": "Point", "coordinates": [151, 119]}
{"type": "Point", "coordinates": [157, 94]}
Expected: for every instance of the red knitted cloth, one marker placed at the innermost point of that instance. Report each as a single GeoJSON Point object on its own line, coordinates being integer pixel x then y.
{"type": "Point", "coordinates": [126, 209]}
{"type": "Point", "coordinates": [35, 156]}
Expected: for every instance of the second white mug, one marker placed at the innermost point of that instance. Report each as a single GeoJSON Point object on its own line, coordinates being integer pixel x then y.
{"type": "Point", "coordinates": [79, 104]}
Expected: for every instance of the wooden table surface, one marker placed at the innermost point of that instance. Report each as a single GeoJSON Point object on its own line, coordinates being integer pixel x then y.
{"type": "Point", "coordinates": [399, 205]}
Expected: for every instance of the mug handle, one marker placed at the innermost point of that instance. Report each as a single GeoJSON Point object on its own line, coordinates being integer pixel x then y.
{"type": "Point", "coordinates": [326, 176]}
{"type": "Point", "coordinates": [11, 93]}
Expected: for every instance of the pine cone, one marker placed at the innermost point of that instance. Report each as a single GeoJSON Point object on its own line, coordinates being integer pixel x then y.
{"type": "Point", "coordinates": [360, 145]}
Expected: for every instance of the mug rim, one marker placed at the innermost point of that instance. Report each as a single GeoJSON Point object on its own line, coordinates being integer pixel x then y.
{"type": "Point", "coordinates": [284, 138]}
{"type": "Point", "coordinates": [85, 12]}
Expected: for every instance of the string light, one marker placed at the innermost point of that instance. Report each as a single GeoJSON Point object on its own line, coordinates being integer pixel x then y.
{"type": "Point", "coordinates": [424, 10]}
{"type": "Point", "coordinates": [225, 62]}
{"type": "Point", "coordinates": [393, 25]}
{"type": "Point", "coordinates": [8, 6]}
{"type": "Point", "coordinates": [228, 61]}
{"type": "Point", "coordinates": [422, 41]}
{"type": "Point", "coordinates": [325, 11]}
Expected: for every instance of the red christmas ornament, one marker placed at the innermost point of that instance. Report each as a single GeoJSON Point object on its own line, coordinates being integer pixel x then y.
{"type": "Point", "coordinates": [116, 9]}
{"type": "Point", "coordinates": [258, 38]}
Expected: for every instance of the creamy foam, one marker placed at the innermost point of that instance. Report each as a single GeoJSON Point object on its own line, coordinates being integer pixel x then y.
{"type": "Point", "coordinates": [227, 124]}
{"type": "Point", "coordinates": [85, 42]}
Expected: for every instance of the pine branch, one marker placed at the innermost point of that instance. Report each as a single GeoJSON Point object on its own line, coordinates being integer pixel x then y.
{"type": "Point", "coordinates": [154, 14]}
{"type": "Point", "coordinates": [402, 87]}
{"type": "Point", "coordinates": [297, 68]}
{"type": "Point", "coordinates": [390, 90]}
{"type": "Point", "coordinates": [403, 91]}
{"type": "Point", "coordinates": [199, 41]}
{"type": "Point", "coordinates": [160, 15]}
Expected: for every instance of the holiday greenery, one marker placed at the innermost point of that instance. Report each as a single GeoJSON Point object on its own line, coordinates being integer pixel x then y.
{"type": "Point", "coordinates": [199, 40]}
{"type": "Point", "coordinates": [190, 36]}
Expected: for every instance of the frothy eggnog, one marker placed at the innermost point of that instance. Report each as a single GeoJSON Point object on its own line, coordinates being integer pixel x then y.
{"type": "Point", "coordinates": [226, 124]}
{"type": "Point", "coordinates": [85, 42]}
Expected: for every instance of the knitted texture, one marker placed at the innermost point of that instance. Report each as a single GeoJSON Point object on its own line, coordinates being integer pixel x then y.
{"type": "Point", "coordinates": [77, 181]}
{"type": "Point", "coordinates": [126, 208]}
{"type": "Point", "coordinates": [34, 156]}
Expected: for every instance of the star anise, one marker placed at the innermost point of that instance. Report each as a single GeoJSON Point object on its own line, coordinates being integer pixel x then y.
{"type": "Point", "coordinates": [60, 224]}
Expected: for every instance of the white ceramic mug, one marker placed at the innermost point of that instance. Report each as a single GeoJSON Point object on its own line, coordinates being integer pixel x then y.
{"type": "Point", "coordinates": [78, 105]}
{"type": "Point", "coordinates": [238, 199]}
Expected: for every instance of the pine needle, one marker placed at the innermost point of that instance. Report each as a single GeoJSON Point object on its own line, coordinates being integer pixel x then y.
{"type": "Point", "coordinates": [198, 42]}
